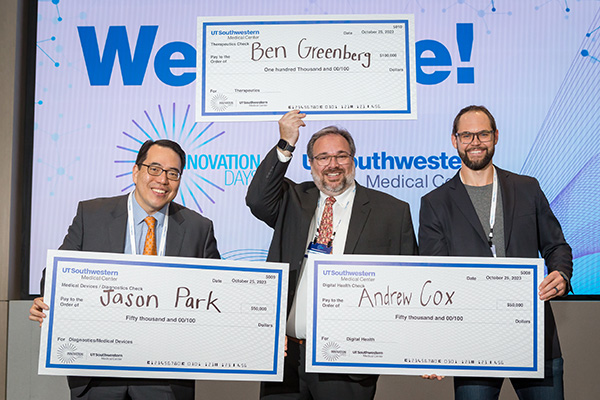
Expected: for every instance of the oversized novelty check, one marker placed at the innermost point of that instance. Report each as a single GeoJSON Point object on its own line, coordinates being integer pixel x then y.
{"type": "Point", "coordinates": [331, 67]}
{"type": "Point", "coordinates": [163, 317]}
{"type": "Point", "coordinates": [426, 315]}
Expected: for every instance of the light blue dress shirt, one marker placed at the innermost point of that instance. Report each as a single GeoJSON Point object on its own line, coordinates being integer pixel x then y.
{"type": "Point", "coordinates": [141, 228]}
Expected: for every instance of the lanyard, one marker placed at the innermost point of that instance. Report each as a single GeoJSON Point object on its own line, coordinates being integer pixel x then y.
{"type": "Point", "coordinates": [493, 211]}
{"type": "Point", "coordinates": [493, 206]}
{"type": "Point", "coordinates": [130, 224]}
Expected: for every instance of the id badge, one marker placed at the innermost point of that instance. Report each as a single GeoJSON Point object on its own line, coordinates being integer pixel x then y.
{"type": "Point", "coordinates": [317, 248]}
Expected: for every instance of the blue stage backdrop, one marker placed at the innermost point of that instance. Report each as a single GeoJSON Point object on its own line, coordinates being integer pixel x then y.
{"type": "Point", "coordinates": [104, 85]}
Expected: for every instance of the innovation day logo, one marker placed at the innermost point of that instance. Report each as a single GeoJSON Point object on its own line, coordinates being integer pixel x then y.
{"type": "Point", "coordinates": [196, 188]}
{"type": "Point", "coordinates": [67, 353]}
{"type": "Point", "coordinates": [332, 351]}
{"type": "Point", "coordinates": [220, 102]}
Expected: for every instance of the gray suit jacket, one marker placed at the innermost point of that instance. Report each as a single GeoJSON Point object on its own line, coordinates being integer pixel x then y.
{"type": "Point", "coordinates": [449, 226]}
{"type": "Point", "coordinates": [101, 225]}
{"type": "Point", "coordinates": [379, 224]}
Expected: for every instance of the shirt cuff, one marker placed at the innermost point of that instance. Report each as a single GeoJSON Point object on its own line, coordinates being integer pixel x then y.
{"type": "Point", "coordinates": [282, 157]}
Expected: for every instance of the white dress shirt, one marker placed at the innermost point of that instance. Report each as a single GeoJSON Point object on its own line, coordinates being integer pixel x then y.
{"type": "Point", "coordinates": [342, 211]}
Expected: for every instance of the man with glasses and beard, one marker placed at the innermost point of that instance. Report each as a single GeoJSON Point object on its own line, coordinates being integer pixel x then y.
{"type": "Point", "coordinates": [333, 214]}
{"type": "Point", "coordinates": [485, 211]}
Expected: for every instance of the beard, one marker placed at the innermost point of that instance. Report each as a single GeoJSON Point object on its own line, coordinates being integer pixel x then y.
{"type": "Point", "coordinates": [339, 187]}
{"type": "Point", "coordinates": [477, 165]}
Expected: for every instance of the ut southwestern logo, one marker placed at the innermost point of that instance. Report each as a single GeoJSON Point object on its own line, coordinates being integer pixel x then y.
{"type": "Point", "coordinates": [233, 32]}
{"type": "Point", "coordinates": [173, 61]}
{"type": "Point", "coordinates": [383, 161]}
{"type": "Point", "coordinates": [392, 171]}
{"type": "Point", "coordinates": [333, 272]}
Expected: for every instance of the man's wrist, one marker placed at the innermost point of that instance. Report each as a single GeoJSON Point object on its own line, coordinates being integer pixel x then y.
{"type": "Point", "coordinates": [284, 149]}
{"type": "Point", "coordinates": [282, 156]}
{"type": "Point", "coordinates": [567, 281]}
{"type": "Point", "coordinates": [285, 146]}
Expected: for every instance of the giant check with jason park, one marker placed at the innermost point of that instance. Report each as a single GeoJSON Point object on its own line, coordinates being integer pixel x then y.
{"type": "Point", "coordinates": [425, 315]}
{"type": "Point", "coordinates": [331, 67]}
{"type": "Point", "coordinates": [163, 317]}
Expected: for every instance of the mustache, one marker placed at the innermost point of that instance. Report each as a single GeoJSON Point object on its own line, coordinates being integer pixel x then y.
{"type": "Point", "coordinates": [332, 170]}
{"type": "Point", "coordinates": [482, 148]}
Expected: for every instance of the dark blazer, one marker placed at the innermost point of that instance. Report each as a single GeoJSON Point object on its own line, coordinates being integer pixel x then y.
{"type": "Point", "coordinates": [379, 223]}
{"type": "Point", "coordinates": [101, 225]}
{"type": "Point", "coordinates": [449, 226]}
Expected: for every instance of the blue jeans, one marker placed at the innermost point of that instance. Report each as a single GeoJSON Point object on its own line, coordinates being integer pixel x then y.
{"type": "Point", "coordinates": [548, 388]}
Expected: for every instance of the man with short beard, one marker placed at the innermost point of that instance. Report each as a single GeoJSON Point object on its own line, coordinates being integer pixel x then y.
{"type": "Point", "coordinates": [488, 212]}
{"type": "Point", "coordinates": [360, 221]}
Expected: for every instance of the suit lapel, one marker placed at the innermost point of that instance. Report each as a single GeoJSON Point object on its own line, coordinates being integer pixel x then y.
{"type": "Point", "coordinates": [175, 232]}
{"type": "Point", "coordinates": [117, 226]}
{"type": "Point", "coordinates": [463, 202]}
{"type": "Point", "coordinates": [508, 202]}
{"type": "Point", "coordinates": [309, 200]}
{"type": "Point", "coordinates": [358, 218]}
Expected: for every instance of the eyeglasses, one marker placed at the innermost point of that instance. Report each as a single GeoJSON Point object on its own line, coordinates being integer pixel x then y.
{"type": "Point", "coordinates": [154, 170]}
{"type": "Point", "coordinates": [341, 159]}
{"type": "Point", "coordinates": [467, 137]}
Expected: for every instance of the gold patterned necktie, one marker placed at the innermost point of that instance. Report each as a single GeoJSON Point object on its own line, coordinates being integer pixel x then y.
{"type": "Point", "coordinates": [150, 244]}
{"type": "Point", "coordinates": [326, 226]}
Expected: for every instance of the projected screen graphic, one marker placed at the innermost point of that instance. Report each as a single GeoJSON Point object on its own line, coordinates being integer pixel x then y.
{"type": "Point", "coordinates": [111, 75]}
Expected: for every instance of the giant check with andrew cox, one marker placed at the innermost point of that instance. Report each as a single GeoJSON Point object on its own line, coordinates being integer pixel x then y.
{"type": "Point", "coordinates": [423, 315]}
{"type": "Point", "coordinates": [163, 317]}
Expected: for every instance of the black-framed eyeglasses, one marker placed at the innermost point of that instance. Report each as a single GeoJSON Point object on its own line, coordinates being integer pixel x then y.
{"type": "Point", "coordinates": [155, 170]}
{"type": "Point", "coordinates": [467, 137]}
{"type": "Point", "coordinates": [341, 159]}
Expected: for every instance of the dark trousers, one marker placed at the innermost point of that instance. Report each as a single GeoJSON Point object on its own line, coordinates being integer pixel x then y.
{"type": "Point", "coordinates": [300, 385]}
{"type": "Point", "coordinates": [100, 388]}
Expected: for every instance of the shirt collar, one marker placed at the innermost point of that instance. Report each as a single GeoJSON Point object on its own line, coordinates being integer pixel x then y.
{"type": "Point", "coordinates": [341, 199]}
{"type": "Point", "coordinates": [139, 214]}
